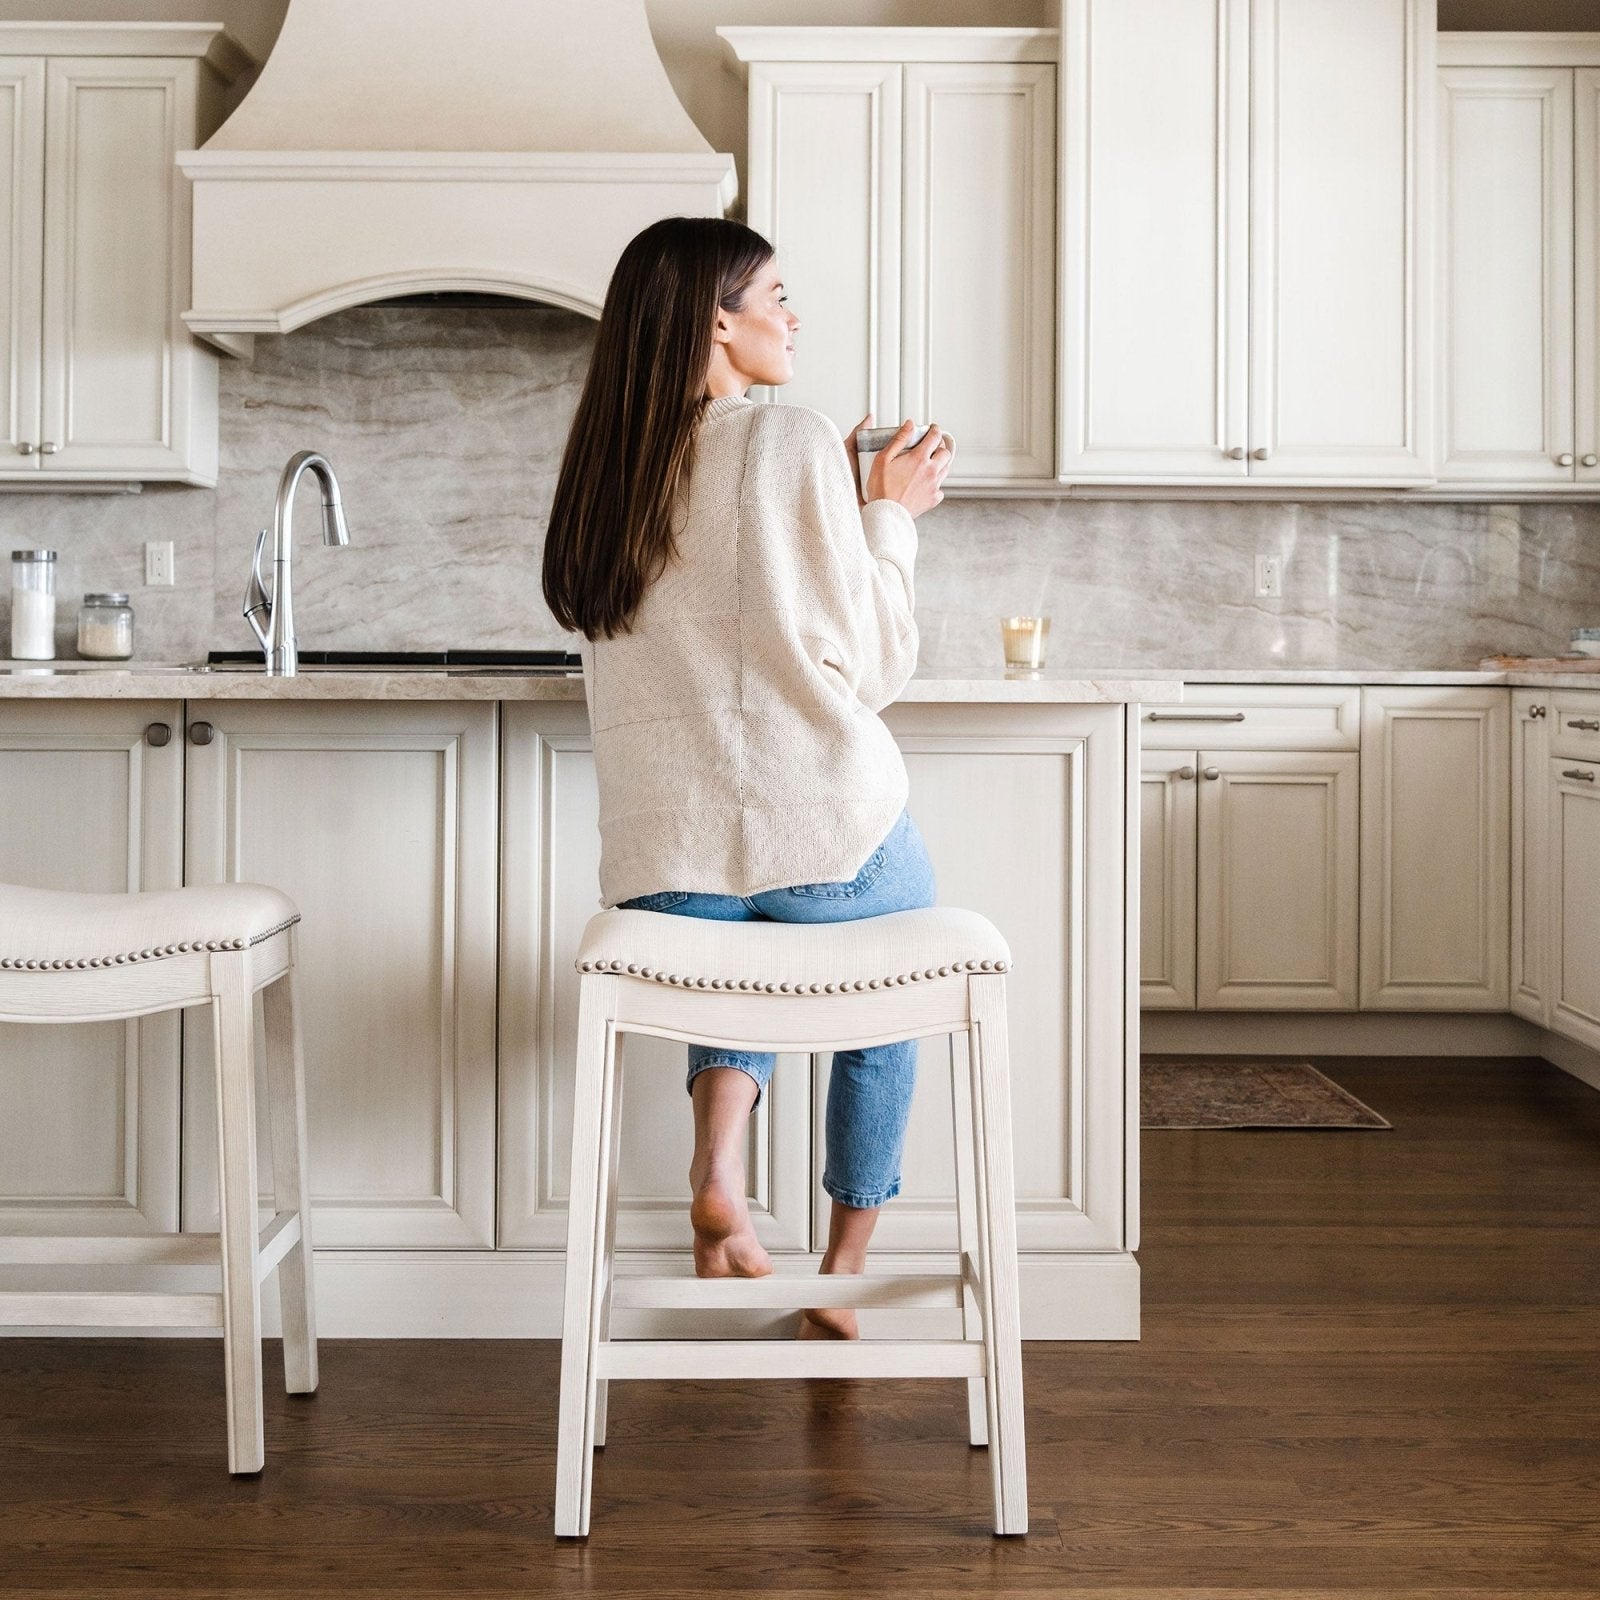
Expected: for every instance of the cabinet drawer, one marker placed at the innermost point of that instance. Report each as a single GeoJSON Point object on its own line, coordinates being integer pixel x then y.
{"type": "Point", "coordinates": [1229, 716]}
{"type": "Point", "coordinates": [1575, 724]}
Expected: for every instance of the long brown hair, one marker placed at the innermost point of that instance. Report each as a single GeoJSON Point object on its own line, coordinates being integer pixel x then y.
{"type": "Point", "coordinates": [632, 438]}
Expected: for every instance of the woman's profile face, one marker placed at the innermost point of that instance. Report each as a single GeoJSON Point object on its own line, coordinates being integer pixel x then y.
{"type": "Point", "coordinates": [756, 343]}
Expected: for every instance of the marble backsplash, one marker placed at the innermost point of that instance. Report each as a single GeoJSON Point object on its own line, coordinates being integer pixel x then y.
{"type": "Point", "coordinates": [446, 427]}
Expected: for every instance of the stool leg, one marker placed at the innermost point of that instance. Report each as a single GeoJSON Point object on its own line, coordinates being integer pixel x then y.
{"type": "Point", "coordinates": [586, 1264]}
{"type": "Point", "coordinates": [286, 1081]}
{"type": "Point", "coordinates": [233, 1041]}
{"type": "Point", "coordinates": [609, 1234]}
{"type": "Point", "coordinates": [998, 1267]}
{"type": "Point", "coordinates": [967, 1230]}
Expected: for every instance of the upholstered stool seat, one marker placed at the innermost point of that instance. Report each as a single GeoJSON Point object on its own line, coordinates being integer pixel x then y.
{"type": "Point", "coordinates": [775, 986]}
{"type": "Point", "coordinates": [67, 957]}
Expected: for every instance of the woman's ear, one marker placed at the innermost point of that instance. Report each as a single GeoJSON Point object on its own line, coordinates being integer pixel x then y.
{"type": "Point", "coordinates": [722, 328]}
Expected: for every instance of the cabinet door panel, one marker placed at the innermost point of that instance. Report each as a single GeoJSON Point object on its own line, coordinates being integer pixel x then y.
{"type": "Point", "coordinates": [1575, 920]}
{"type": "Point", "coordinates": [1155, 238]}
{"type": "Point", "coordinates": [379, 821]}
{"type": "Point", "coordinates": [21, 251]}
{"type": "Point", "coordinates": [1530, 855]}
{"type": "Point", "coordinates": [1052, 808]}
{"type": "Point", "coordinates": [551, 881]}
{"type": "Point", "coordinates": [1586, 329]}
{"type": "Point", "coordinates": [825, 179]}
{"type": "Point", "coordinates": [1340, 301]}
{"type": "Point", "coordinates": [1435, 832]}
{"type": "Point", "coordinates": [1167, 881]}
{"type": "Point", "coordinates": [115, 368]}
{"type": "Point", "coordinates": [1276, 921]}
{"type": "Point", "coordinates": [89, 1111]}
{"type": "Point", "coordinates": [979, 277]}
{"type": "Point", "coordinates": [1506, 234]}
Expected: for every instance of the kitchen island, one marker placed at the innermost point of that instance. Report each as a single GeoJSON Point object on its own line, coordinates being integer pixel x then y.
{"type": "Point", "coordinates": [439, 832]}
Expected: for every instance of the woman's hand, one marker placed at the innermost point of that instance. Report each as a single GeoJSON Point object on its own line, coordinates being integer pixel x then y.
{"type": "Point", "coordinates": [912, 475]}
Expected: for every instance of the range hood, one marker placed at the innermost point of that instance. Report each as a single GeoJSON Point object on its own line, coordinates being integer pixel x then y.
{"type": "Point", "coordinates": [396, 147]}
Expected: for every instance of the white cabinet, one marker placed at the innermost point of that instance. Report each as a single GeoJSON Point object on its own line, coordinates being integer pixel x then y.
{"type": "Point", "coordinates": [1249, 873]}
{"type": "Point", "coordinates": [906, 178]}
{"type": "Point", "coordinates": [380, 822]}
{"type": "Point", "coordinates": [549, 874]}
{"type": "Point", "coordinates": [1050, 782]}
{"type": "Point", "coordinates": [91, 799]}
{"type": "Point", "coordinates": [1530, 853]}
{"type": "Point", "coordinates": [106, 383]}
{"type": "Point", "coordinates": [1435, 847]}
{"type": "Point", "coordinates": [1575, 899]}
{"type": "Point", "coordinates": [1246, 279]}
{"type": "Point", "coordinates": [1519, 227]}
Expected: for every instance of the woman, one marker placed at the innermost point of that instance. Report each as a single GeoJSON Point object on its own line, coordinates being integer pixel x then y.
{"type": "Point", "coordinates": [745, 613]}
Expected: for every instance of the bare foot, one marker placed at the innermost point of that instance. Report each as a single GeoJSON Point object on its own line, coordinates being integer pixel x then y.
{"type": "Point", "coordinates": [828, 1323]}
{"type": "Point", "coordinates": [725, 1243]}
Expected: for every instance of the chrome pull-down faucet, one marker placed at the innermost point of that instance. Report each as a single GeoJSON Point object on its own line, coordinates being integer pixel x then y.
{"type": "Point", "coordinates": [277, 606]}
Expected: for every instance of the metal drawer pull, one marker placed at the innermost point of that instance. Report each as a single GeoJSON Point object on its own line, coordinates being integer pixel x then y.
{"type": "Point", "coordinates": [1581, 775]}
{"type": "Point", "coordinates": [1583, 726]}
{"type": "Point", "coordinates": [158, 734]}
{"type": "Point", "coordinates": [1186, 773]}
{"type": "Point", "coordinates": [1213, 773]}
{"type": "Point", "coordinates": [1197, 716]}
{"type": "Point", "coordinates": [201, 732]}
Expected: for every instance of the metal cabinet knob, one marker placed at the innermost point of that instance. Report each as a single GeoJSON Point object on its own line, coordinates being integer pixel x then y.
{"type": "Point", "coordinates": [1535, 713]}
{"type": "Point", "coordinates": [1591, 460]}
{"type": "Point", "coordinates": [48, 448]}
{"type": "Point", "coordinates": [158, 734]}
{"type": "Point", "coordinates": [1237, 453]}
{"type": "Point", "coordinates": [1580, 774]}
{"type": "Point", "coordinates": [1213, 773]}
{"type": "Point", "coordinates": [1263, 454]}
{"type": "Point", "coordinates": [1564, 460]}
{"type": "Point", "coordinates": [1186, 773]}
{"type": "Point", "coordinates": [25, 447]}
{"type": "Point", "coordinates": [201, 733]}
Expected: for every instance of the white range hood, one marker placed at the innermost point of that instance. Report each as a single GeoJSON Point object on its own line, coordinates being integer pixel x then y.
{"type": "Point", "coordinates": [398, 146]}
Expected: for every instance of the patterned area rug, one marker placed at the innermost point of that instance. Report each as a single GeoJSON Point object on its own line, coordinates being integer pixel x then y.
{"type": "Point", "coordinates": [1245, 1092]}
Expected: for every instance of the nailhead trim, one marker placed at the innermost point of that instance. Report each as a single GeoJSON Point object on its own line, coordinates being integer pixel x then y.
{"type": "Point", "coordinates": [631, 969]}
{"type": "Point", "coordinates": [128, 957]}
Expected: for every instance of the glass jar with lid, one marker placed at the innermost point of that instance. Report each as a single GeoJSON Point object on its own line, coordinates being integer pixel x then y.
{"type": "Point", "coordinates": [105, 627]}
{"type": "Point", "coordinates": [33, 605]}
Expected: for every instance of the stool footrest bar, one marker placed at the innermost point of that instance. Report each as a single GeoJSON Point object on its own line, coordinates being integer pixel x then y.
{"type": "Point", "coordinates": [20, 1308]}
{"type": "Point", "coordinates": [790, 1358]}
{"type": "Point", "coordinates": [785, 1291]}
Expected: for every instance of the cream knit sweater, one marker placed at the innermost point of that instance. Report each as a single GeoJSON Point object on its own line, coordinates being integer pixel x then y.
{"type": "Point", "coordinates": [736, 742]}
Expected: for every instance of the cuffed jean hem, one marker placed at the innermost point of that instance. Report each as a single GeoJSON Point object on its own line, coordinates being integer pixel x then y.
{"type": "Point", "coordinates": [740, 1066]}
{"type": "Point", "coordinates": [860, 1202]}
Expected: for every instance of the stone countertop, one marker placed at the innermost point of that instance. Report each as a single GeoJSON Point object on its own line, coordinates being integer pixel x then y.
{"type": "Point", "coordinates": [153, 681]}
{"type": "Point", "coordinates": [71, 680]}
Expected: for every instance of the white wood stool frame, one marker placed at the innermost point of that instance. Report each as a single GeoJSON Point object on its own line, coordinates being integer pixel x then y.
{"type": "Point", "coordinates": [989, 1356]}
{"type": "Point", "coordinates": [227, 981]}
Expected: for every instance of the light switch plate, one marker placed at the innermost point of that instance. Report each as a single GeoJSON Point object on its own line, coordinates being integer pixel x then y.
{"type": "Point", "coordinates": [160, 563]}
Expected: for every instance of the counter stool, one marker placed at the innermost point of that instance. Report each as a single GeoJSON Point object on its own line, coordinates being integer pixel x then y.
{"type": "Point", "coordinates": [102, 957]}
{"type": "Point", "coordinates": [795, 987]}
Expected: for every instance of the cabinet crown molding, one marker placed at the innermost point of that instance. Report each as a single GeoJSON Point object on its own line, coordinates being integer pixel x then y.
{"type": "Point", "coordinates": [891, 44]}
{"type": "Point", "coordinates": [209, 41]}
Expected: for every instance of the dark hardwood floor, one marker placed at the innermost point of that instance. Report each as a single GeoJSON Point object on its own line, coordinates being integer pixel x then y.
{"type": "Point", "coordinates": [1370, 1367]}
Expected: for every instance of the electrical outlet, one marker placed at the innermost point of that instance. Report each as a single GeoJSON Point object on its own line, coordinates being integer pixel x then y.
{"type": "Point", "coordinates": [160, 564]}
{"type": "Point", "coordinates": [1269, 577]}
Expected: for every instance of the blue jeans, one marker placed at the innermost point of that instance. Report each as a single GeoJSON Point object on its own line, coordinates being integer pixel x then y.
{"type": "Point", "coordinates": [869, 1091]}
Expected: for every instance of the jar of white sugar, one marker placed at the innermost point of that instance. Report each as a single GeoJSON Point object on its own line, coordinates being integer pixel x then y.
{"type": "Point", "coordinates": [105, 627]}
{"type": "Point", "coordinates": [33, 605]}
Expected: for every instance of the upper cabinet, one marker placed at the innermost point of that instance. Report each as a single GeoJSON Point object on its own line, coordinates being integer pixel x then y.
{"type": "Point", "coordinates": [103, 382]}
{"type": "Point", "coordinates": [1519, 208]}
{"type": "Point", "coordinates": [1245, 278]}
{"type": "Point", "coordinates": [906, 178]}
